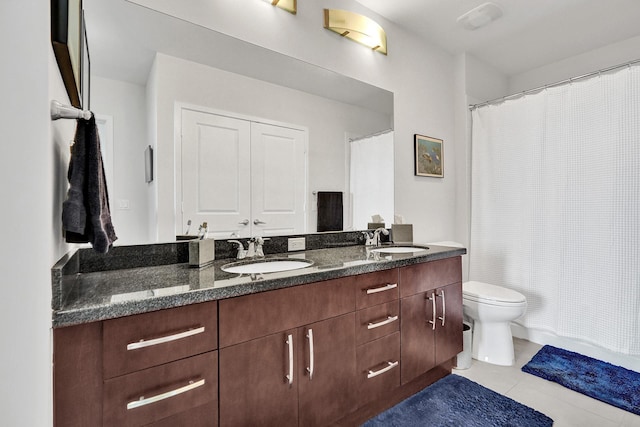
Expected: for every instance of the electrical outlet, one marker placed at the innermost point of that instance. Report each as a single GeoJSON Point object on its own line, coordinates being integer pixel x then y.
{"type": "Point", "coordinates": [296, 244]}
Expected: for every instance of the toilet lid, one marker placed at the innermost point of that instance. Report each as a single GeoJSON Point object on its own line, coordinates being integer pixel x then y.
{"type": "Point", "coordinates": [480, 291]}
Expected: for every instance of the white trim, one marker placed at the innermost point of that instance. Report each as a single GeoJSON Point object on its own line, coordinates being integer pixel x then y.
{"type": "Point", "coordinates": [232, 115]}
{"type": "Point", "coordinates": [543, 337]}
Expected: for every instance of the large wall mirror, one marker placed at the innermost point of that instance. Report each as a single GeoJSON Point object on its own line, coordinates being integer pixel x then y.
{"type": "Point", "coordinates": [146, 64]}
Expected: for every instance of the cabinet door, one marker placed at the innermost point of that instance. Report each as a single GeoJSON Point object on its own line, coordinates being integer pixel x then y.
{"type": "Point", "coordinates": [449, 322]}
{"type": "Point", "coordinates": [254, 389]}
{"type": "Point", "coordinates": [327, 371]}
{"type": "Point", "coordinates": [417, 335]}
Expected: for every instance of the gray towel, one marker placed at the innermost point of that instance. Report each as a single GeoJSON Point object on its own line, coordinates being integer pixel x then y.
{"type": "Point", "coordinates": [85, 214]}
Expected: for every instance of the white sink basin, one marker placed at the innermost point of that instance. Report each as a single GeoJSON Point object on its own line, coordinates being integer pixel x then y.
{"type": "Point", "coordinates": [399, 249]}
{"type": "Point", "coordinates": [265, 266]}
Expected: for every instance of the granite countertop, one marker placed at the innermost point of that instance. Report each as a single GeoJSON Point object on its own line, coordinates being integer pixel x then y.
{"type": "Point", "coordinates": [83, 297]}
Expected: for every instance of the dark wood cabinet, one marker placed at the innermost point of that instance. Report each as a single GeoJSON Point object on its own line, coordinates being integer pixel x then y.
{"type": "Point", "coordinates": [254, 389]}
{"type": "Point", "coordinates": [302, 375]}
{"type": "Point", "coordinates": [431, 315]}
{"type": "Point", "coordinates": [449, 329]}
{"type": "Point", "coordinates": [377, 335]}
{"type": "Point", "coordinates": [378, 368]}
{"type": "Point", "coordinates": [147, 396]}
{"type": "Point", "coordinates": [334, 352]}
{"type": "Point", "coordinates": [326, 371]}
{"type": "Point", "coordinates": [158, 368]}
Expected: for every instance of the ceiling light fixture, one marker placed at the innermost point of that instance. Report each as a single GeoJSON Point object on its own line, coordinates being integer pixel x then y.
{"type": "Point", "coordinates": [480, 16]}
{"type": "Point", "coordinates": [357, 28]}
{"type": "Point", "coordinates": [288, 5]}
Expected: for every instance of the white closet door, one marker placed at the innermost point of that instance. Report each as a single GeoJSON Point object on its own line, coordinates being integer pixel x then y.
{"type": "Point", "coordinates": [278, 175]}
{"type": "Point", "coordinates": [216, 183]}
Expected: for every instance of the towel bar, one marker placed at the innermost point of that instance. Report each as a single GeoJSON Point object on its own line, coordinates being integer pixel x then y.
{"type": "Point", "coordinates": [61, 111]}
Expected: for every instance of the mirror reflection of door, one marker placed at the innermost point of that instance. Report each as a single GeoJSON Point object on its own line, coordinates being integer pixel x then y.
{"type": "Point", "coordinates": [243, 178]}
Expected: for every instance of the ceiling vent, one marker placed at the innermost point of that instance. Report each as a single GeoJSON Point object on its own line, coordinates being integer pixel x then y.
{"type": "Point", "coordinates": [480, 16]}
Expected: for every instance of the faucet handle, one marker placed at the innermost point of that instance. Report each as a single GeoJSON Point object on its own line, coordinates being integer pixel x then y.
{"type": "Point", "coordinates": [241, 252]}
{"type": "Point", "coordinates": [259, 242]}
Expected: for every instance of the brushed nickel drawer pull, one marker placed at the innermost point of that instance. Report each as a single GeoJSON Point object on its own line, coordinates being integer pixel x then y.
{"type": "Point", "coordinates": [382, 288]}
{"type": "Point", "coordinates": [289, 343]}
{"type": "Point", "coordinates": [389, 319]}
{"type": "Point", "coordinates": [311, 366]}
{"type": "Point", "coordinates": [146, 401]}
{"type": "Point", "coordinates": [432, 298]}
{"type": "Point", "coordinates": [162, 340]}
{"type": "Point", "coordinates": [390, 366]}
{"type": "Point", "coordinates": [444, 307]}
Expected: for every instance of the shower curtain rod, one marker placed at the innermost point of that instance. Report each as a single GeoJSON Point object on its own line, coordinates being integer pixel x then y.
{"type": "Point", "coordinates": [560, 83]}
{"type": "Point", "coordinates": [382, 132]}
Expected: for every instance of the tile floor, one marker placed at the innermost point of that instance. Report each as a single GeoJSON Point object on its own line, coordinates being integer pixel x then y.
{"type": "Point", "coordinates": [566, 407]}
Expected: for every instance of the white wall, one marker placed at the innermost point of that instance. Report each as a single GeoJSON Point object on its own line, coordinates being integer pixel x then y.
{"type": "Point", "coordinates": [327, 122]}
{"type": "Point", "coordinates": [607, 56]}
{"type": "Point", "coordinates": [33, 158]}
{"type": "Point", "coordinates": [126, 104]}
{"type": "Point", "coordinates": [482, 81]}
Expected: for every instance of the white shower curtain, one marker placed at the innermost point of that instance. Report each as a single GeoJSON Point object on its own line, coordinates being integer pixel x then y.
{"type": "Point", "coordinates": [372, 179]}
{"type": "Point", "coordinates": [556, 206]}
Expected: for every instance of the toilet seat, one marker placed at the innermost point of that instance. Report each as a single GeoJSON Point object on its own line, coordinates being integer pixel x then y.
{"type": "Point", "coordinates": [486, 293]}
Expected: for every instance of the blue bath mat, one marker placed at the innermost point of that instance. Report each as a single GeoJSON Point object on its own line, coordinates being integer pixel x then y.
{"type": "Point", "coordinates": [600, 380]}
{"type": "Point", "coordinates": [457, 401]}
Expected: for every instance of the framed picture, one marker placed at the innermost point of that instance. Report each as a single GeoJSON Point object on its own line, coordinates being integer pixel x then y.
{"type": "Point", "coordinates": [428, 156]}
{"type": "Point", "coordinates": [68, 37]}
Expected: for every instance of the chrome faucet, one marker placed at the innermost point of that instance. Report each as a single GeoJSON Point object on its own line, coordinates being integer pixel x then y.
{"type": "Point", "coordinates": [242, 253]}
{"type": "Point", "coordinates": [375, 239]}
{"type": "Point", "coordinates": [255, 247]}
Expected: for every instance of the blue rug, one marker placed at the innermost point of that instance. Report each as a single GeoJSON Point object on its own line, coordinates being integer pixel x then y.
{"type": "Point", "coordinates": [457, 401]}
{"type": "Point", "coordinates": [612, 384]}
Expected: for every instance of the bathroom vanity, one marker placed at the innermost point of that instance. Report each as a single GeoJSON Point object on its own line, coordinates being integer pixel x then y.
{"type": "Point", "coordinates": [331, 344]}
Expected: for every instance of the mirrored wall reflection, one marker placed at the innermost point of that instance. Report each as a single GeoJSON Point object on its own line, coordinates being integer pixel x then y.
{"type": "Point", "coordinates": [145, 62]}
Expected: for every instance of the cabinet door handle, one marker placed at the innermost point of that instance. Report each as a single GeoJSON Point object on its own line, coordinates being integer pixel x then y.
{"type": "Point", "coordinates": [389, 319]}
{"type": "Point", "coordinates": [382, 288]}
{"type": "Point", "coordinates": [258, 222]}
{"type": "Point", "coordinates": [162, 340]}
{"type": "Point", "coordinates": [432, 298]}
{"type": "Point", "coordinates": [289, 343]}
{"type": "Point", "coordinates": [390, 366]}
{"type": "Point", "coordinates": [444, 307]}
{"type": "Point", "coordinates": [244, 222]}
{"type": "Point", "coordinates": [146, 401]}
{"type": "Point", "coordinates": [311, 354]}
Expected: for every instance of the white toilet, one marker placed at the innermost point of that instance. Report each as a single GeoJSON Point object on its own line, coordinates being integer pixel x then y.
{"type": "Point", "coordinates": [492, 309]}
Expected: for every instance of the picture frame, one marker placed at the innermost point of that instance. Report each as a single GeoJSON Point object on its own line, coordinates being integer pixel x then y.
{"type": "Point", "coordinates": [68, 38]}
{"type": "Point", "coordinates": [428, 155]}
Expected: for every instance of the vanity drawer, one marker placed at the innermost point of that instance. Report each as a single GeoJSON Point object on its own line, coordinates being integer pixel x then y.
{"type": "Point", "coordinates": [377, 321]}
{"type": "Point", "coordinates": [378, 368]}
{"type": "Point", "coordinates": [168, 390]}
{"type": "Point", "coordinates": [429, 275]}
{"type": "Point", "coordinates": [141, 341]}
{"type": "Point", "coordinates": [376, 288]}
